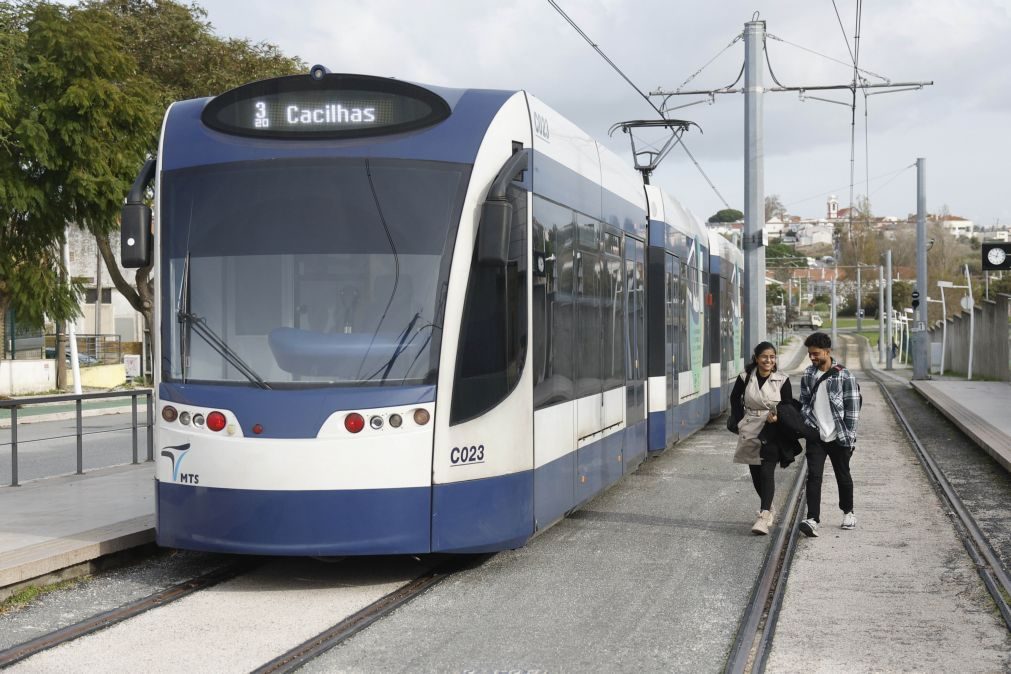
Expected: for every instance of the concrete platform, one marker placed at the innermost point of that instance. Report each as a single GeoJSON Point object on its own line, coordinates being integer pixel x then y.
{"type": "Point", "coordinates": [982, 409]}
{"type": "Point", "coordinates": [48, 526]}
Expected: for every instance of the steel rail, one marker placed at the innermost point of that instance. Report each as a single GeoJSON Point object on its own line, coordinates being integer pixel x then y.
{"type": "Point", "coordinates": [750, 649]}
{"type": "Point", "coordinates": [988, 565]}
{"type": "Point", "coordinates": [319, 644]}
{"type": "Point", "coordinates": [87, 626]}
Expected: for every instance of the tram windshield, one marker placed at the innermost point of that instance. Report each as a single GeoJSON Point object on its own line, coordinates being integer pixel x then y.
{"type": "Point", "coordinates": [307, 272]}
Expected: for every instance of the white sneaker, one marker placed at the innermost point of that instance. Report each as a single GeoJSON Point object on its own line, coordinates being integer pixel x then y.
{"type": "Point", "coordinates": [809, 528]}
{"type": "Point", "coordinates": [761, 525]}
{"type": "Point", "coordinates": [849, 521]}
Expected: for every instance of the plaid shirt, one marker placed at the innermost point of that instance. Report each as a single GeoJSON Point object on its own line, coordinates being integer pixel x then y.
{"type": "Point", "coordinates": [843, 397]}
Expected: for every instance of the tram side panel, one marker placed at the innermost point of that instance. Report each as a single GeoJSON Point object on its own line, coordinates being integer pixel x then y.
{"type": "Point", "coordinates": [482, 471]}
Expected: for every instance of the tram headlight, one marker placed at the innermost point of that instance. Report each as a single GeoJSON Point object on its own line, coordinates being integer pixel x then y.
{"type": "Point", "coordinates": [198, 420]}
{"type": "Point", "coordinates": [184, 418]}
{"type": "Point", "coordinates": [376, 422]}
{"type": "Point", "coordinates": [396, 420]}
{"type": "Point", "coordinates": [421, 416]}
{"type": "Point", "coordinates": [354, 422]}
{"type": "Point", "coordinates": [318, 72]}
{"type": "Point", "coordinates": [169, 413]}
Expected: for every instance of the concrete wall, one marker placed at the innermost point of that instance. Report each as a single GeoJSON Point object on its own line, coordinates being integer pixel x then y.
{"type": "Point", "coordinates": [100, 376]}
{"type": "Point", "coordinates": [30, 377]}
{"type": "Point", "coordinates": [991, 351]}
{"type": "Point", "coordinates": [25, 377]}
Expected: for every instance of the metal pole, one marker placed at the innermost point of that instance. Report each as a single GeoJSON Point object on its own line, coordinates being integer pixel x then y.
{"type": "Point", "coordinates": [80, 440]}
{"type": "Point", "coordinates": [919, 342]}
{"type": "Point", "coordinates": [133, 405]}
{"type": "Point", "coordinates": [835, 338]}
{"type": "Point", "coordinates": [71, 327]}
{"type": "Point", "coordinates": [881, 314]}
{"type": "Point", "coordinates": [972, 318]}
{"type": "Point", "coordinates": [944, 329]}
{"type": "Point", "coordinates": [150, 426]}
{"type": "Point", "coordinates": [888, 307]}
{"type": "Point", "coordinates": [14, 446]}
{"type": "Point", "coordinates": [754, 206]}
{"type": "Point", "coordinates": [860, 303]}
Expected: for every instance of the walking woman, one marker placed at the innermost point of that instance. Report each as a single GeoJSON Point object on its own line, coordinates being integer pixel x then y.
{"type": "Point", "coordinates": [755, 401]}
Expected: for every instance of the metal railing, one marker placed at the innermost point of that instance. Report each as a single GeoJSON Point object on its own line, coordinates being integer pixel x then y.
{"type": "Point", "coordinates": [78, 400]}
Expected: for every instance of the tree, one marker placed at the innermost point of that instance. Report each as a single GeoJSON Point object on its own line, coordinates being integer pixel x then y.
{"type": "Point", "coordinates": [175, 47]}
{"type": "Point", "coordinates": [82, 93]}
{"type": "Point", "coordinates": [727, 215]}
{"type": "Point", "coordinates": [774, 208]}
{"type": "Point", "coordinates": [72, 110]}
{"type": "Point", "coordinates": [783, 255]}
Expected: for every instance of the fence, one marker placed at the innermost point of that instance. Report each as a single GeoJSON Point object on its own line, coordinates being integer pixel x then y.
{"type": "Point", "coordinates": [14, 405]}
{"type": "Point", "coordinates": [991, 348]}
{"type": "Point", "coordinates": [92, 349]}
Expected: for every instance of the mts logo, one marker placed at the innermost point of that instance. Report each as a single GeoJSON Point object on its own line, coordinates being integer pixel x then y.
{"type": "Point", "coordinates": [189, 478]}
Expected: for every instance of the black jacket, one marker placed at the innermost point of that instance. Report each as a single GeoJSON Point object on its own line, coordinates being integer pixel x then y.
{"type": "Point", "coordinates": [781, 440]}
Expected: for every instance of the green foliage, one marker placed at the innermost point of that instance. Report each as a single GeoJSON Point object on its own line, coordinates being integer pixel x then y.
{"type": "Point", "coordinates": [83, 89]}
{"type": "Point", "coordinates": [783, 255]}
{"type": "Point", "coordinates": [727, 215]}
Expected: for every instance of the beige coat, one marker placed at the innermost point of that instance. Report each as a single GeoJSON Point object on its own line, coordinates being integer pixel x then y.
{"type": "Point", "coordinates": [757, 404]}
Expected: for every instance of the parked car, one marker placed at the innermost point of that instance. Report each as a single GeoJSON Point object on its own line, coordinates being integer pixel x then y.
{"type": "Point", "coordinates": [83, 359]}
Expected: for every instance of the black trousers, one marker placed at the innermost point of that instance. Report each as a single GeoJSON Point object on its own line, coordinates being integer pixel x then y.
{"type": "Point", "coordinates": [840, 457]}
{"type": "Point", "coordinates": [764, 479]}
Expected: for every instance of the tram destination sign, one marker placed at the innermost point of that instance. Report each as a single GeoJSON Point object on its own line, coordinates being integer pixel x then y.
{"type": "Point", "coordinates": [324, 106]}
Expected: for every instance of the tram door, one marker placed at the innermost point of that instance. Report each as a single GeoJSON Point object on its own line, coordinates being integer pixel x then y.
{"type": "Point", "coordinates": [672, 323]}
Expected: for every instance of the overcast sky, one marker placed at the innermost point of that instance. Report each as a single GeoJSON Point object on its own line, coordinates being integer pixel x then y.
{"type": "Point", "coordinates": [960, 124]}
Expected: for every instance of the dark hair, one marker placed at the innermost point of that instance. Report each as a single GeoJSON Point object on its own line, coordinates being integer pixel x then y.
{"type": "Point", "coordinates": [763, 346]}
{"type": "Point", "coordinates": [818, 340]}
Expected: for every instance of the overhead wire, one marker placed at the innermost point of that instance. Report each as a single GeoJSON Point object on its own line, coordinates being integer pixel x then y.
{"type": "Point", "coordinates": [618, 70]}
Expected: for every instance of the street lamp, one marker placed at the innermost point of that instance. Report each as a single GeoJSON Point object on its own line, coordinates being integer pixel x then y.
{"type": "Point", "coordinates": [967, 304]}
{"type": "Point", "coordinates": [944, 324]}
{"type": "Point", "coordinates": [944, 330]}
{"type": "Point", "coordinates": [906, 318]}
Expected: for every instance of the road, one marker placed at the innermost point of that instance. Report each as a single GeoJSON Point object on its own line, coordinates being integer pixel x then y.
{"type": "Point", "coordinates": [49, 448]}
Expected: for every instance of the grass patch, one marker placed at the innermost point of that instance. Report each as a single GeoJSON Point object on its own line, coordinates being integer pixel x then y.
{"type": "Point", "coordinates": [33, 592]}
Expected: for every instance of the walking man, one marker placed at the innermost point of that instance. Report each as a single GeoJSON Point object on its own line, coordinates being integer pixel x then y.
{"type": "Point", "coordinates": [830, 403]}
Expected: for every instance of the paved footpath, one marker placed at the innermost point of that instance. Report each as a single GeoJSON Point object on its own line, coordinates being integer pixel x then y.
{"type": "Point", "coordinates": [899, 593]}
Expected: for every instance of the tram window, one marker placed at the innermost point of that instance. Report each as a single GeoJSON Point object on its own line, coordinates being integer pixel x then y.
{"type": "Point", "coordinates": [554, 227]}
{"type": "Point", "coordinates": [493, 335]}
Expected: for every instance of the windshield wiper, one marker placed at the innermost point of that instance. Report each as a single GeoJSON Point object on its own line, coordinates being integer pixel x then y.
{"type": "Point", "coordinates": [402, 345]}
{"type": "Point", "coordinates": [199, 325]}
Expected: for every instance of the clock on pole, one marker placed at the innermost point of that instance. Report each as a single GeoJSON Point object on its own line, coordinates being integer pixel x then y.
{"type": "Point", "coordinates": [996, 256]}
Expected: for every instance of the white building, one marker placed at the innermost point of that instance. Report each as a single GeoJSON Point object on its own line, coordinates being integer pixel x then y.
{"type": "Point", "coordinates": [958, 226]}
{"type": "Point", "coordinates": [774, 229]}
{"type": "Point", "coordinates": [114, 315]}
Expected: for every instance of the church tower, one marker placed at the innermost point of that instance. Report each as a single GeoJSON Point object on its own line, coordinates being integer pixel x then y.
{"type": "Point", "coordinates": [833, 207]}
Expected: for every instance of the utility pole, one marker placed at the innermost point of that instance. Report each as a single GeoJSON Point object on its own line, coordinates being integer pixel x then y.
{"type": "Point", "coordinates": [835, 330]}
{"type": "Point", "coordinates": [881, 314]}
{"type": "Point", "coordinates": [860, 303]}
{"type": "Point", "coordinates": [888, 307]}
{"type": "Point", "coordinates": [919, 344]}
{"type": "Point", "coordinates": [754, 197]}
{"type": "Point", "coordinates": [754, 188]}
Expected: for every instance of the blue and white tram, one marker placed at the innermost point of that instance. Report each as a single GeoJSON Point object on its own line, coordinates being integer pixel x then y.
{"type": "Point", "coordinates": [404, 319]}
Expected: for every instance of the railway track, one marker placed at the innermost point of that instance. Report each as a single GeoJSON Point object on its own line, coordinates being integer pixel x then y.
{"type": "Point", "coordinates": [290, 660]}
{"type": "Point", "coordinates": [989, 564]}
{"type": "Point", "coordinates": [754, 638]}
{"type": "Point", "coordinates": [106, 619]}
